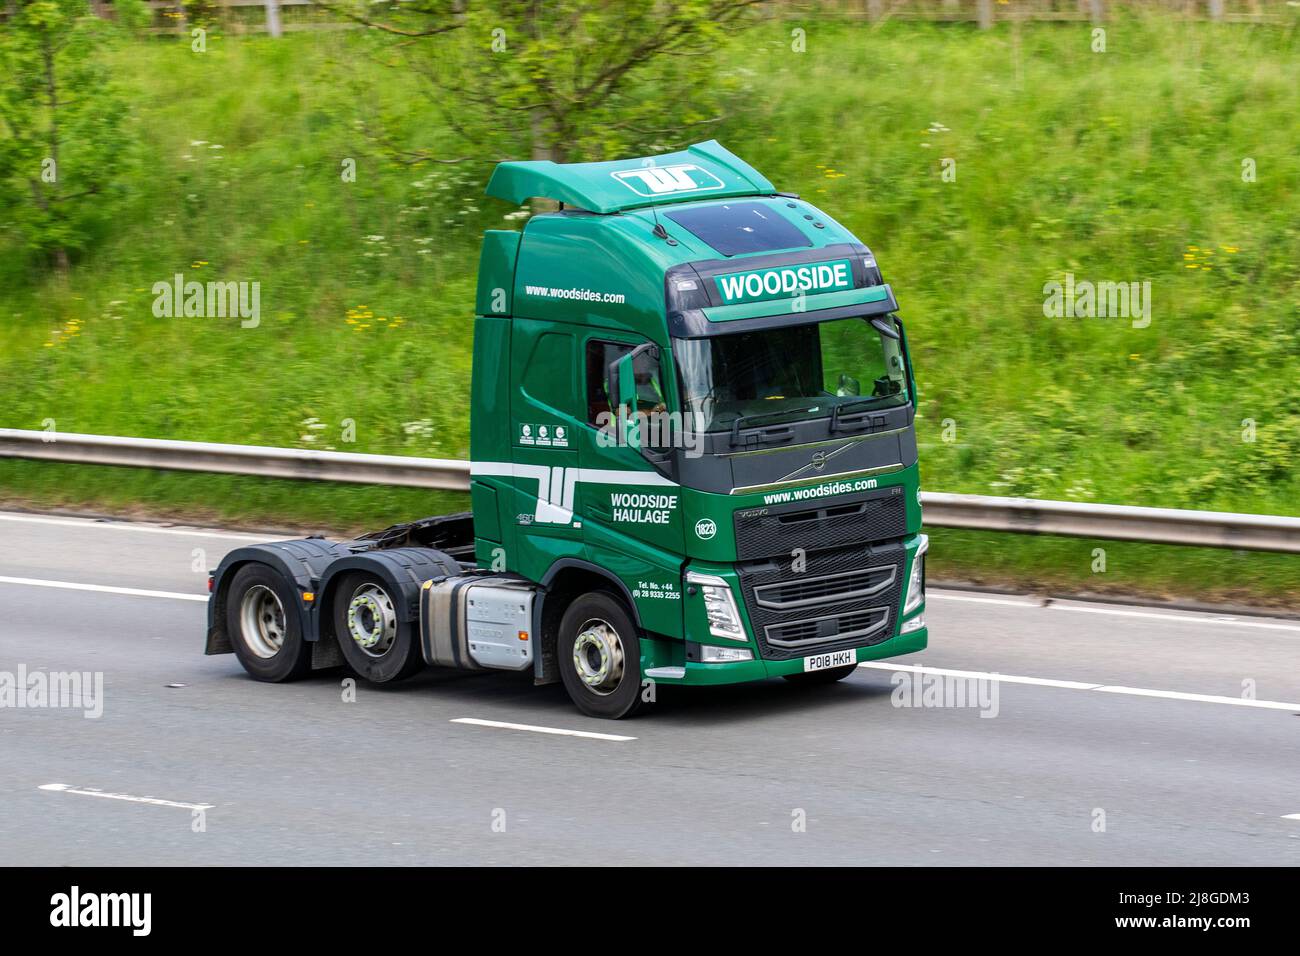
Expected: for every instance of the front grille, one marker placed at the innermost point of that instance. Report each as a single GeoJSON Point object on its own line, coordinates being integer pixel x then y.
{"type": "Point", "coordinates": [779, 529]}
{"type": "Point", "coordinates": [803, 591]}
{"type": "Point", "coordinates": [844, 597]}
{"type": "Point", "coordinates": [832, 627]}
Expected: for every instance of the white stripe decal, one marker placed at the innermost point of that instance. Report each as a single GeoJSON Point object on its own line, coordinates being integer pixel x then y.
{"type": "Point", "coordinates": [557, 486]}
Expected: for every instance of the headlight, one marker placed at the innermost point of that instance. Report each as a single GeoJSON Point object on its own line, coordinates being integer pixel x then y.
{"type": "Point", "coordinates": [916, 582]}
{"type": "Point", "coordinates": [719, 605]}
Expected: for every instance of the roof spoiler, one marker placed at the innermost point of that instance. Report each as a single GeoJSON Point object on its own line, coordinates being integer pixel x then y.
{"type": "Point", "coordinates": [703, 171]}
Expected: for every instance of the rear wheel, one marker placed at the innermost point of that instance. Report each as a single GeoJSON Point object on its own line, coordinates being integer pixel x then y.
{"type": "Point", "coordinates": [828, 676]}
{"type": "Point", "coordinates": [375, 642]}
{"type": "Point", "coordinates": [599, 656]}
{"type": "Point", "coordinates": [264, 627]}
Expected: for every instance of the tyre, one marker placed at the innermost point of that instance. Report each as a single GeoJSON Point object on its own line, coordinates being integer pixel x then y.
{"type": "Point", "coordinates": [264, 627]}
{"type": "Point", "coordinates": [828, 676]}
{"type": "Point", "coordinates": [375, 642]}
{"type": "Point", "coordinates": [599, 655]}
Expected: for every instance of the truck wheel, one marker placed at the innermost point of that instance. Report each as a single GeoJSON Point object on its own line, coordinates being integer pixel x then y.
{"type": "Point", "coordinates": [375, 642]}
{"type": "Point", "coordinates": [600, 656]}
{"type": "Point", "coordinates": [828, 676]}
{"type": "Point", "coordinates": [264, 630]}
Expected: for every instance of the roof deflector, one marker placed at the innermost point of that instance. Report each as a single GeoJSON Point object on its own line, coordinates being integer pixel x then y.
{"type": "Point", "coordinates": [702, 171]}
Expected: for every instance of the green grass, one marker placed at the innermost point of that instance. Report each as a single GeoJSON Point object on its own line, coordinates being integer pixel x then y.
{"type": "Point", "coordinates": [1122, 166]}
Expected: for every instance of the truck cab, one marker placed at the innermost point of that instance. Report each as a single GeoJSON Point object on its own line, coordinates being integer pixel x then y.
{"type": "Point", "coordinates": [701, 400]}
{"type": "Point", "coordinates": [693, 459]}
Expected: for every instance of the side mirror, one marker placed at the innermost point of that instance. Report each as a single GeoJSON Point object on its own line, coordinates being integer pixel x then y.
{"type": "Point", "coordinates": [621, 376]}
{"type": "Point", "coordinates": [623, 384]}
{"type": "Point", "coordinates": [886, 328]}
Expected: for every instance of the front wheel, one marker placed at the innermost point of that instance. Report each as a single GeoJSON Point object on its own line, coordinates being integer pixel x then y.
{"type": "Point", "coordinates": [600, 656]}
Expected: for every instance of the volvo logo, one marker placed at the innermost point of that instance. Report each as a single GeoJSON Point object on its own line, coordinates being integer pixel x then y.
{"type": "Point", "coordinates": [818, 461]}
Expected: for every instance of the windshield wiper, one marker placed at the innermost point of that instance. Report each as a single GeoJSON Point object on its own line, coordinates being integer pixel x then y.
{"type": "Point", "coordinates": [857, 420]}
{"type": "Point", "coordinates": [764, 435]}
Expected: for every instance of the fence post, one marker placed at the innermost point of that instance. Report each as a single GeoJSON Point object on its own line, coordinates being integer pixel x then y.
{"type": "Point", "coordinates": [1216, 9]}
{"type": "Point", "coordinates": [1098, 10]}
{"type": "Point", "coordinates": [273, 17]}
{"type": "Point", "coordinates": [984, 10]}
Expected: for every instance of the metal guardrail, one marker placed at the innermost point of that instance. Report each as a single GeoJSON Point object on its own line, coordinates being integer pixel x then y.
{"type": "Point", "coordinates": [1205, 529]}
{"type": "Point", "coordinates": [254, 460]}
{"type": "Point", "coordinates": [1209, 529]}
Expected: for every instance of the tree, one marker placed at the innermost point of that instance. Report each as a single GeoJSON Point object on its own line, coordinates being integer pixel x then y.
{"type": "Point", "coordinates": [562, 79]}
{"type": "Point", "coordinates": [61, 126]}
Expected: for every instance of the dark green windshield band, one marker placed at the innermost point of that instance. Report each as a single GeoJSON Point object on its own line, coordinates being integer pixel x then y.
{"type": "Point", "coordinates": [812, 302]}
{"type": "Point", "coordinates": [695, 323]}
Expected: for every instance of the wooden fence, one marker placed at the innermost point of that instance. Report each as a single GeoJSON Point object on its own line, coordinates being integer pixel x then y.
{"type": "Point", "coordinates": [238, 15]}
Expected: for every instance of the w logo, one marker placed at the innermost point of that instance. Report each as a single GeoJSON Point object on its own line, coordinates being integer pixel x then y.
{"type": "Point", "coordinates": [659, 180]}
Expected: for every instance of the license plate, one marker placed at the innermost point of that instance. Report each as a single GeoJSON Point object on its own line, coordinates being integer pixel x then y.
{"type": "Point", "coordinates": [820, 662]}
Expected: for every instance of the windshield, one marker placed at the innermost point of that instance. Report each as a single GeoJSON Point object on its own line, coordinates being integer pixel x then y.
{"type": "Point", "coordinates": [791, 373]}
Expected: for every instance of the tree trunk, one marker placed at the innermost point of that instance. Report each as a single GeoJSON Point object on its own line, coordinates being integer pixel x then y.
{"type": "Point", "coordinates": [543, 148]}
{"type": "Point", "coordinates": [273, 17]}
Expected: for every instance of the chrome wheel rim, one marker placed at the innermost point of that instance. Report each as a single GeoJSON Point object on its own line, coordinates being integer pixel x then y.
{"type": "Point", "coordinates": [261, 620]}
{"type": "Point", "coordinates": [372, 620]}
{"type": "Point", "coordinates": [598, 656]}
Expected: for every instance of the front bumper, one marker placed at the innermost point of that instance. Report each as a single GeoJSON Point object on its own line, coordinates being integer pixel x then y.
{"type": "Point", "coordinates": [833, 588]}
{"type": "Point", "coordinates": [739, 672]}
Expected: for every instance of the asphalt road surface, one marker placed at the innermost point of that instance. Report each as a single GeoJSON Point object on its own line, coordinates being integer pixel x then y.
{"type": "Point", "coordinates": [1118, 735]}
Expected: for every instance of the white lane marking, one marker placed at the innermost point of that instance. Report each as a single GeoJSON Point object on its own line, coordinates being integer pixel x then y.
{"type": "Point", "coordinates": [1194, 619]}
{"type": "Point", "coordinates": [1291, 816]}
{"type": "Point", "coordinates": [129, 526]}
{"type": "Point", "coordinates": [971, 599]}
{"type": "Point", "coordinates": [103, 588]}
{"type": "Point", "coordinates": [1206, 618]}
{"type": "Point", "coordinates": [987, 675]}
{"type": "Point", "coordinates": [1204, 698]}
{"type": "Point", "coordinates": [92, 792]}
{"type": "Point", "coordinates": [538, 730]}
{"type": "Point", "coordinates": [1081, 685]}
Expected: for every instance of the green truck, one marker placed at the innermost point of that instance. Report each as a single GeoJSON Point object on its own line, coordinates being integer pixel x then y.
{"type": "Point", "coordinates": [693, 460]}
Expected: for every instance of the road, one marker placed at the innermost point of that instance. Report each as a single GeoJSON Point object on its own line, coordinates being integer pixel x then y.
{"type": "Point", "coordinates": [1120, 737]}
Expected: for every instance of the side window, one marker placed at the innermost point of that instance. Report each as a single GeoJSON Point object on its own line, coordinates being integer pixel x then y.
{"type": "Point", "coordinates": [649, 381]}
